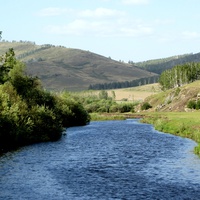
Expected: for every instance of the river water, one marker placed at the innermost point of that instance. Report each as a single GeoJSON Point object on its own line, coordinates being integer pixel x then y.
{"type": "Point", "coordinates": [104, 160]}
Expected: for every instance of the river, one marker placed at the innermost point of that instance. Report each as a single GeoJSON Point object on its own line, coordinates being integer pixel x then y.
{"type": "Point", "coordinates": [123, 160]}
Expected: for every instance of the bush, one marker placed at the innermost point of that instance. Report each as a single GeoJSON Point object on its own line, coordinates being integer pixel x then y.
{"type": "Point", "coordinates": [71, 111]}
{"type": "Point", "coordinates": [198, 105]}
{"type": "Point", "coordinates": [191, 104]}
{"type": "Point", "coordinates": [146, 106]}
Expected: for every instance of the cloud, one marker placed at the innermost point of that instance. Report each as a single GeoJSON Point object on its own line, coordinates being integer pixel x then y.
{"type": "Point", "coordinates": [100, 22]}
{"type": "Point", "coordinates": [102, 28]}
{"type": "Point", "coordinates": [101, 12]}
{"type": "Point", "coordinates": [135, 2]}
{"type": "Point", "coordinates": [52, 11]}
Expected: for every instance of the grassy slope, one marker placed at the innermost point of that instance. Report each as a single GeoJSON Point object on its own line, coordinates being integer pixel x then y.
{"type": "Point", "coordinates": [175, 99]}
{"type": "Point", "coordinates": [72, 69]}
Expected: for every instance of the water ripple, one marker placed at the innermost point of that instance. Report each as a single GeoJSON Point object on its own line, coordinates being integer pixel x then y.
{"type": "Point", "coordinates": [104, 160]}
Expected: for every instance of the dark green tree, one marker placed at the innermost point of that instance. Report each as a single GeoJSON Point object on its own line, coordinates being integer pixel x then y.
{"type": "Point", "coordinates": [8, 62]}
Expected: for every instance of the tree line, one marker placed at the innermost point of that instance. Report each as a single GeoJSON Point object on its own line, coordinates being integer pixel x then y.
{"type": "Point", "coordinates": [180, 75]}
{"type": "Point", "coordinates": [124, 84]}
{"type": "Point", "coordinates": [101, 102]}
{"type": "Point", "coordinates": [29, 113]}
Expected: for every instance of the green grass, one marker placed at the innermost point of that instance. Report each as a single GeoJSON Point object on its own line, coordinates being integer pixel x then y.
{"type": "Point", "coordinates": [184, 124]}
{"type": "Point", "coordinates": [106, 116]}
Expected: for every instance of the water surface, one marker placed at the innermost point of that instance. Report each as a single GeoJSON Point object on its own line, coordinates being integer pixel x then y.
{"type": "Point", "coordinates": [104, 160]}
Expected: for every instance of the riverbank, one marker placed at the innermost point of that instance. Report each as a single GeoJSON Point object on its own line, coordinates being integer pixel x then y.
{"type": "Point", "coordinates": [183, 124]}
{"type": "Point", "coordinates": [113, 116]}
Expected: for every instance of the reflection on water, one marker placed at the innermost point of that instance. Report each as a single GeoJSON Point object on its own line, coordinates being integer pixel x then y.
{"type": "Point", "coordinates": [104, 160]}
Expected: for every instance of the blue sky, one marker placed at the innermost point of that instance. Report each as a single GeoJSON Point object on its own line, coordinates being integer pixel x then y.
{"type": "Point", "coordinates": [135, 30]}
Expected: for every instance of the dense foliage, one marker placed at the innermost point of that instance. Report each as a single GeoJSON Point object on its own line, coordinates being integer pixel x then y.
{"type": "Point", "coordinates": [192, 104]}
{"type": "Point", "coordinates": [28, 113]}
{"type": "Point", "coordinates": [125, 84]}
{"type": "Point", "coordinates": [145, 106]}
{"type": "Point", "coordinates": [103, 103]}
{"type": "Point", "coordinates": [180, 75]}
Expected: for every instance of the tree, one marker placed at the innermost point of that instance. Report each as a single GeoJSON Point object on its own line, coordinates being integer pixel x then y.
{"type": "Point", "coordinates": [8, 62]}
{"type": "Point", "coordinates": [113, 95]}
{"type": "Point", "coordinates": [180, 75]}
{"type": "Point", "coordinates": [103, 94]}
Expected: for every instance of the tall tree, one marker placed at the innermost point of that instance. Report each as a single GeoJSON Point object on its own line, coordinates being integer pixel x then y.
{"type": "Point", "coordinates": [8, 62]}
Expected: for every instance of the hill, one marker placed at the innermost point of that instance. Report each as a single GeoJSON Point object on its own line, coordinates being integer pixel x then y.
{"type": "Point", "coordinates": [175, 99]}
{"type": "Point", "coordinates": [160, 65]}
{"type": "Point", "coordinates": [62, 68]}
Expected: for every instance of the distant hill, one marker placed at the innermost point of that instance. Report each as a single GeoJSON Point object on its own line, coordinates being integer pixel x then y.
{"type": "Point", "coordinates": [160, 65]}
{"type": "Point", "coordinates": [62, 68]}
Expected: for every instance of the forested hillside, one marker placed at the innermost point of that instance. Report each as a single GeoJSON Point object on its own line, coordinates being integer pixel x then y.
{"type": "Point", "coordinates": [61, 68]}
{"type": "Point", "coordinates": [180, 75]}
{"type": "Point", "coordinates": [160, 65]}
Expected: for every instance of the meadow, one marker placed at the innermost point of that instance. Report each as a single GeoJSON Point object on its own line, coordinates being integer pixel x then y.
{"type": "Point", "coordinates": [136, 93]}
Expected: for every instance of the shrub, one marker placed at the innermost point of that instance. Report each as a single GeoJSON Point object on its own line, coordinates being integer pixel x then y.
{"type": "Point", "coordinates": [191, 104]}
{"type": "Point", "coordinates": [198, 105]}
{"type": "Point", "coordinates": [71, 111]}
{"type": "Point", "coordinates": [145, 106]}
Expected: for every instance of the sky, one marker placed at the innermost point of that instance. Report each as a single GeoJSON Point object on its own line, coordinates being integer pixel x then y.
{"type": "Point", "coordinates": [125, 30]}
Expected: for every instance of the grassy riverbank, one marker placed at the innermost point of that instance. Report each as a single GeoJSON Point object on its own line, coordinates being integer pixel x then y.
{"type": "Point", "coordinates": [106, 116]}
{"type": "Point", "coordinates": [184, 124]}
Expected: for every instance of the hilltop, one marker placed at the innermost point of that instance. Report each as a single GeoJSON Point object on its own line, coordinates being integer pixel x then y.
{"type": "Point", "coordinates": [61, 68]}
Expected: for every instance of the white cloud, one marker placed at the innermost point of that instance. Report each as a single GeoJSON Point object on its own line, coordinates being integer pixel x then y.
{"type": "Point", "coordinates": [52, 11]}
{"type": "Point", "coordinates": [102, 28]}
{"type": "Point", "coordinates": [100, 22]}
{"type": "Point", "coordinates": [101, 12]}
{"type": "Point", "coordinates": [135, 2]}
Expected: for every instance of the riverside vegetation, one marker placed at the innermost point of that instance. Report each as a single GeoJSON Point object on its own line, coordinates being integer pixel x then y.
{"type": "Point", "coordinates": [184, 124]}
{"type": "Point", "coordinates": [181, 93]}
{"type": "Point", "coordinates": [102, 106]}
{"type": "Point", "coordinates": [28, 113]}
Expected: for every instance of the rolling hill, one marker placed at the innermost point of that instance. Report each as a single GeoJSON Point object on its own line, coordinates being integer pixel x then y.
{"type": "Point", "coordinates": [61, 68]}
{"type": "Point", "coordinates": [160, 65]}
